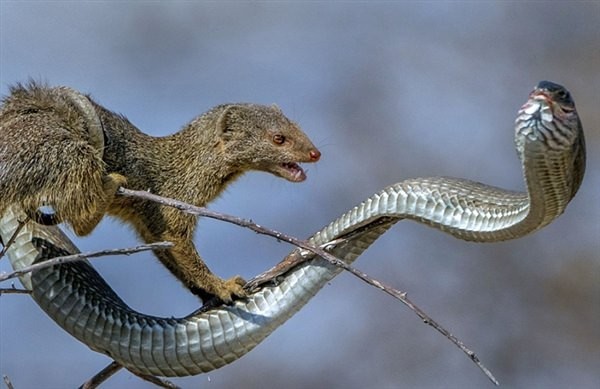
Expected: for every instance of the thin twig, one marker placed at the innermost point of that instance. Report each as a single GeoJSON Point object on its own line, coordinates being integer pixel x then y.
{"type": "Point", "coordinates": [201, 211]}
{"type": "Point", "coordinates": [13, 290]}
{"type": "Point", "coordinates": [160, 382]}
{"type": "Point", "coordinates": [9, 384]}
{"type": "Point", "coordinates": [402, 296]}
{"type": "Point", "coordinates": [12, 238]}
{"type": "Point", "coordinates": [82, 256]}
{"type": "Point", "coordinates": [101, 376]}
{"type": "Point", "coordinates": [5, 247]}
{"type": "Point", "coordinates": [115, 367]}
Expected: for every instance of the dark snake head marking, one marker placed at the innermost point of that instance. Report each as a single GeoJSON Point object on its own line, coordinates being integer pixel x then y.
{"type": "Point", "coordinates": [556, 92]}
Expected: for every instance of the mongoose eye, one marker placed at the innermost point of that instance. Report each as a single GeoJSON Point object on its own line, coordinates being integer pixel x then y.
{"type": "Point", "coordinates": [278, 139]}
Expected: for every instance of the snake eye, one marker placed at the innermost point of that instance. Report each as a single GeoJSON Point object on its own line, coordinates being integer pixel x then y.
{"type": "Point", "coordinates": [563, 94]}
{"type": "Point", "coordinates": [278, 139]}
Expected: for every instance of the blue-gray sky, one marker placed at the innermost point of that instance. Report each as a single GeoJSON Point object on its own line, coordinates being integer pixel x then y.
{"type": "Point", "coordinates": [388, 91]}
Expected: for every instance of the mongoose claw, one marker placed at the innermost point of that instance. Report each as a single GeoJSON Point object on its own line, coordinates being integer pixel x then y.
{"type": "Point", "coordinates": [112, 182]}
{"type": "Point", "coordinates": [231, 288]}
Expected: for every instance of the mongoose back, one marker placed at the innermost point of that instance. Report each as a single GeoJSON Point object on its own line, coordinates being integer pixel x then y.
{"type": "Point", "coordinates": [59, 148]}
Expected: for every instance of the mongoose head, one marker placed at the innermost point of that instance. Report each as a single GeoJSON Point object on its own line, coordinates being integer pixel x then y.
{"type": "Point", "coordinates": [258, 137]}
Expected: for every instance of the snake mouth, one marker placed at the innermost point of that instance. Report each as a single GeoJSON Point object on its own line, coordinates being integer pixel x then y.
{"type": "Point", "coordinates": [543, 118]}
{"type": "Point", "coordinates": [538, 107]}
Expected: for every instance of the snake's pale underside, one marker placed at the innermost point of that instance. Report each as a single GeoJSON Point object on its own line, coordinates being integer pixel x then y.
{"type": "Point", "coordinates": [550, 144]}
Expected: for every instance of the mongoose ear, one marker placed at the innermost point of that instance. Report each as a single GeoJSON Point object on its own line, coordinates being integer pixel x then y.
{"type": "Point", "coordinates": [276, 107]}
{"type": "Point", "coordinates": [227, 117]}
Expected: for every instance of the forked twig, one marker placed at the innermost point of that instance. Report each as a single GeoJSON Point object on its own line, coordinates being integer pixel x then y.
{"type": "Point", "coordinates": [7, 382]}
{"type": "Point", "coordinates": [402, 296]}
{"type": "Point", "coordinates": [14, 290]}
{"type": "Point", "coordinates": [101, 376]}
{"type": "Point", "coordinates": [12, 238]}
{"type": "Point", "coordinates": [5, 247]}
{"type": "Point", "coordinates": [201, 211]}
{"type": "Point", "coordinates": [82, 256]}
{"type": "Point", "coordinates": [113, 368]}
{"type": "Point", "coordinates": [160, 382]}
{"type": "Point", "coordinates": [291, 261]}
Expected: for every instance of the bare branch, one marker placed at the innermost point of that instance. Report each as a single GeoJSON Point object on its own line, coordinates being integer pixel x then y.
{"type": "Point", "coordinates": [301, 257]}
{"type": "Point", "coordinates": [113, 368]}
{"type": "Point", "coordinates": [101, 376]}
{"type": "Point", "coordinates": [296, 258]}
{"type": "Point", "coordinates": [82, 256]}
{"type": "Point", "coordinates": [402, 296]}
{"type": "Point", "coordinates": [7, 382]}
{"type": "Point", "coordinates": [14, 290]}
{"type": "Point", "coordinates": [201, 211]}
{"type": "Point", "coordinates": [290, 261]}
{"type": "Point", "coordinates": [160, 382]}
{"type": "Point", "coordinates": [12, 238]}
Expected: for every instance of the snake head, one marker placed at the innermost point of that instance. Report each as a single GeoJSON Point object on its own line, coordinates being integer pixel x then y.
{"type": "Point", "coordinates": [558, 99]}
{"type": "Point", "coordinates": [548, 122]}
{"type": "Point", "coordinates": [549, 116]}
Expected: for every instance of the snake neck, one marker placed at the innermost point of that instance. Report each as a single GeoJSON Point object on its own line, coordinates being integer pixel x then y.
{"type": "Point", "coordinates": [550, 187]}
{"type": "Point", "coordinates": [550, 142]}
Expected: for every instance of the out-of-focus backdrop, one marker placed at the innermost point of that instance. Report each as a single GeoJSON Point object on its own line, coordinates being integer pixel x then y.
{"type": "Point", "coordinates": [387, 91]}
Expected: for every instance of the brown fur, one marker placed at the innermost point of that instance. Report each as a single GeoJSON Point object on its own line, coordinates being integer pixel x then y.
{"type": "Point", "coordinates": [49, 156]}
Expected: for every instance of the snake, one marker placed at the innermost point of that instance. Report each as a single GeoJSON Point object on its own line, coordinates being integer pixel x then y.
{"type": "Point", "coordinates": [550, 144]}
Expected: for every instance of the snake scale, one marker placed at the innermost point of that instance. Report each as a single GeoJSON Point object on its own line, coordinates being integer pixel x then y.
{"type": "Point", "coordinates": [550, 144]}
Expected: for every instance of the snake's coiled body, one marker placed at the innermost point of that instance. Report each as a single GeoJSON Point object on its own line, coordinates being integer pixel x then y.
{"type": "Point", "coordinates": [550, 143]}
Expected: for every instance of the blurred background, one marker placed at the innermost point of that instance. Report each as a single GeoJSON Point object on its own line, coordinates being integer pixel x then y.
{"type": "Point", "coordinates": [387, 91]}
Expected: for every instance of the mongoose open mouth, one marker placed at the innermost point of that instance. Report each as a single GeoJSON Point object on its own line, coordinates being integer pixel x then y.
{"type": "Point", "coordinates": [291, 171]}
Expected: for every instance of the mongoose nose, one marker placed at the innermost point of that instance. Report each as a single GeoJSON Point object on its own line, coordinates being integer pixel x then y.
{"type": "Point", "coordinates": [315, 155]}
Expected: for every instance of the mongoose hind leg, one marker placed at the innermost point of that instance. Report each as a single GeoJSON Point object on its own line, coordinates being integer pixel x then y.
{"type": "Point", "coordinates": [110, 184]}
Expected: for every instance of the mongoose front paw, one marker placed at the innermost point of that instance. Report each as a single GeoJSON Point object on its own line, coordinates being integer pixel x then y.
{"type": "Point", "coordinates": [230, 289]}
{"type": "Point", "coordinates": [112, 182]}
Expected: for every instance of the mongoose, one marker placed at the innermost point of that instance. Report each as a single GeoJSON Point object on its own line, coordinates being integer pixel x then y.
{"type": "Point", "coordinates": [59, 148]}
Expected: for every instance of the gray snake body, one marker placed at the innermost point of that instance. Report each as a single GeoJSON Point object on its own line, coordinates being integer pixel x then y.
{"type": "Point", "coordinates": [549, 141]}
